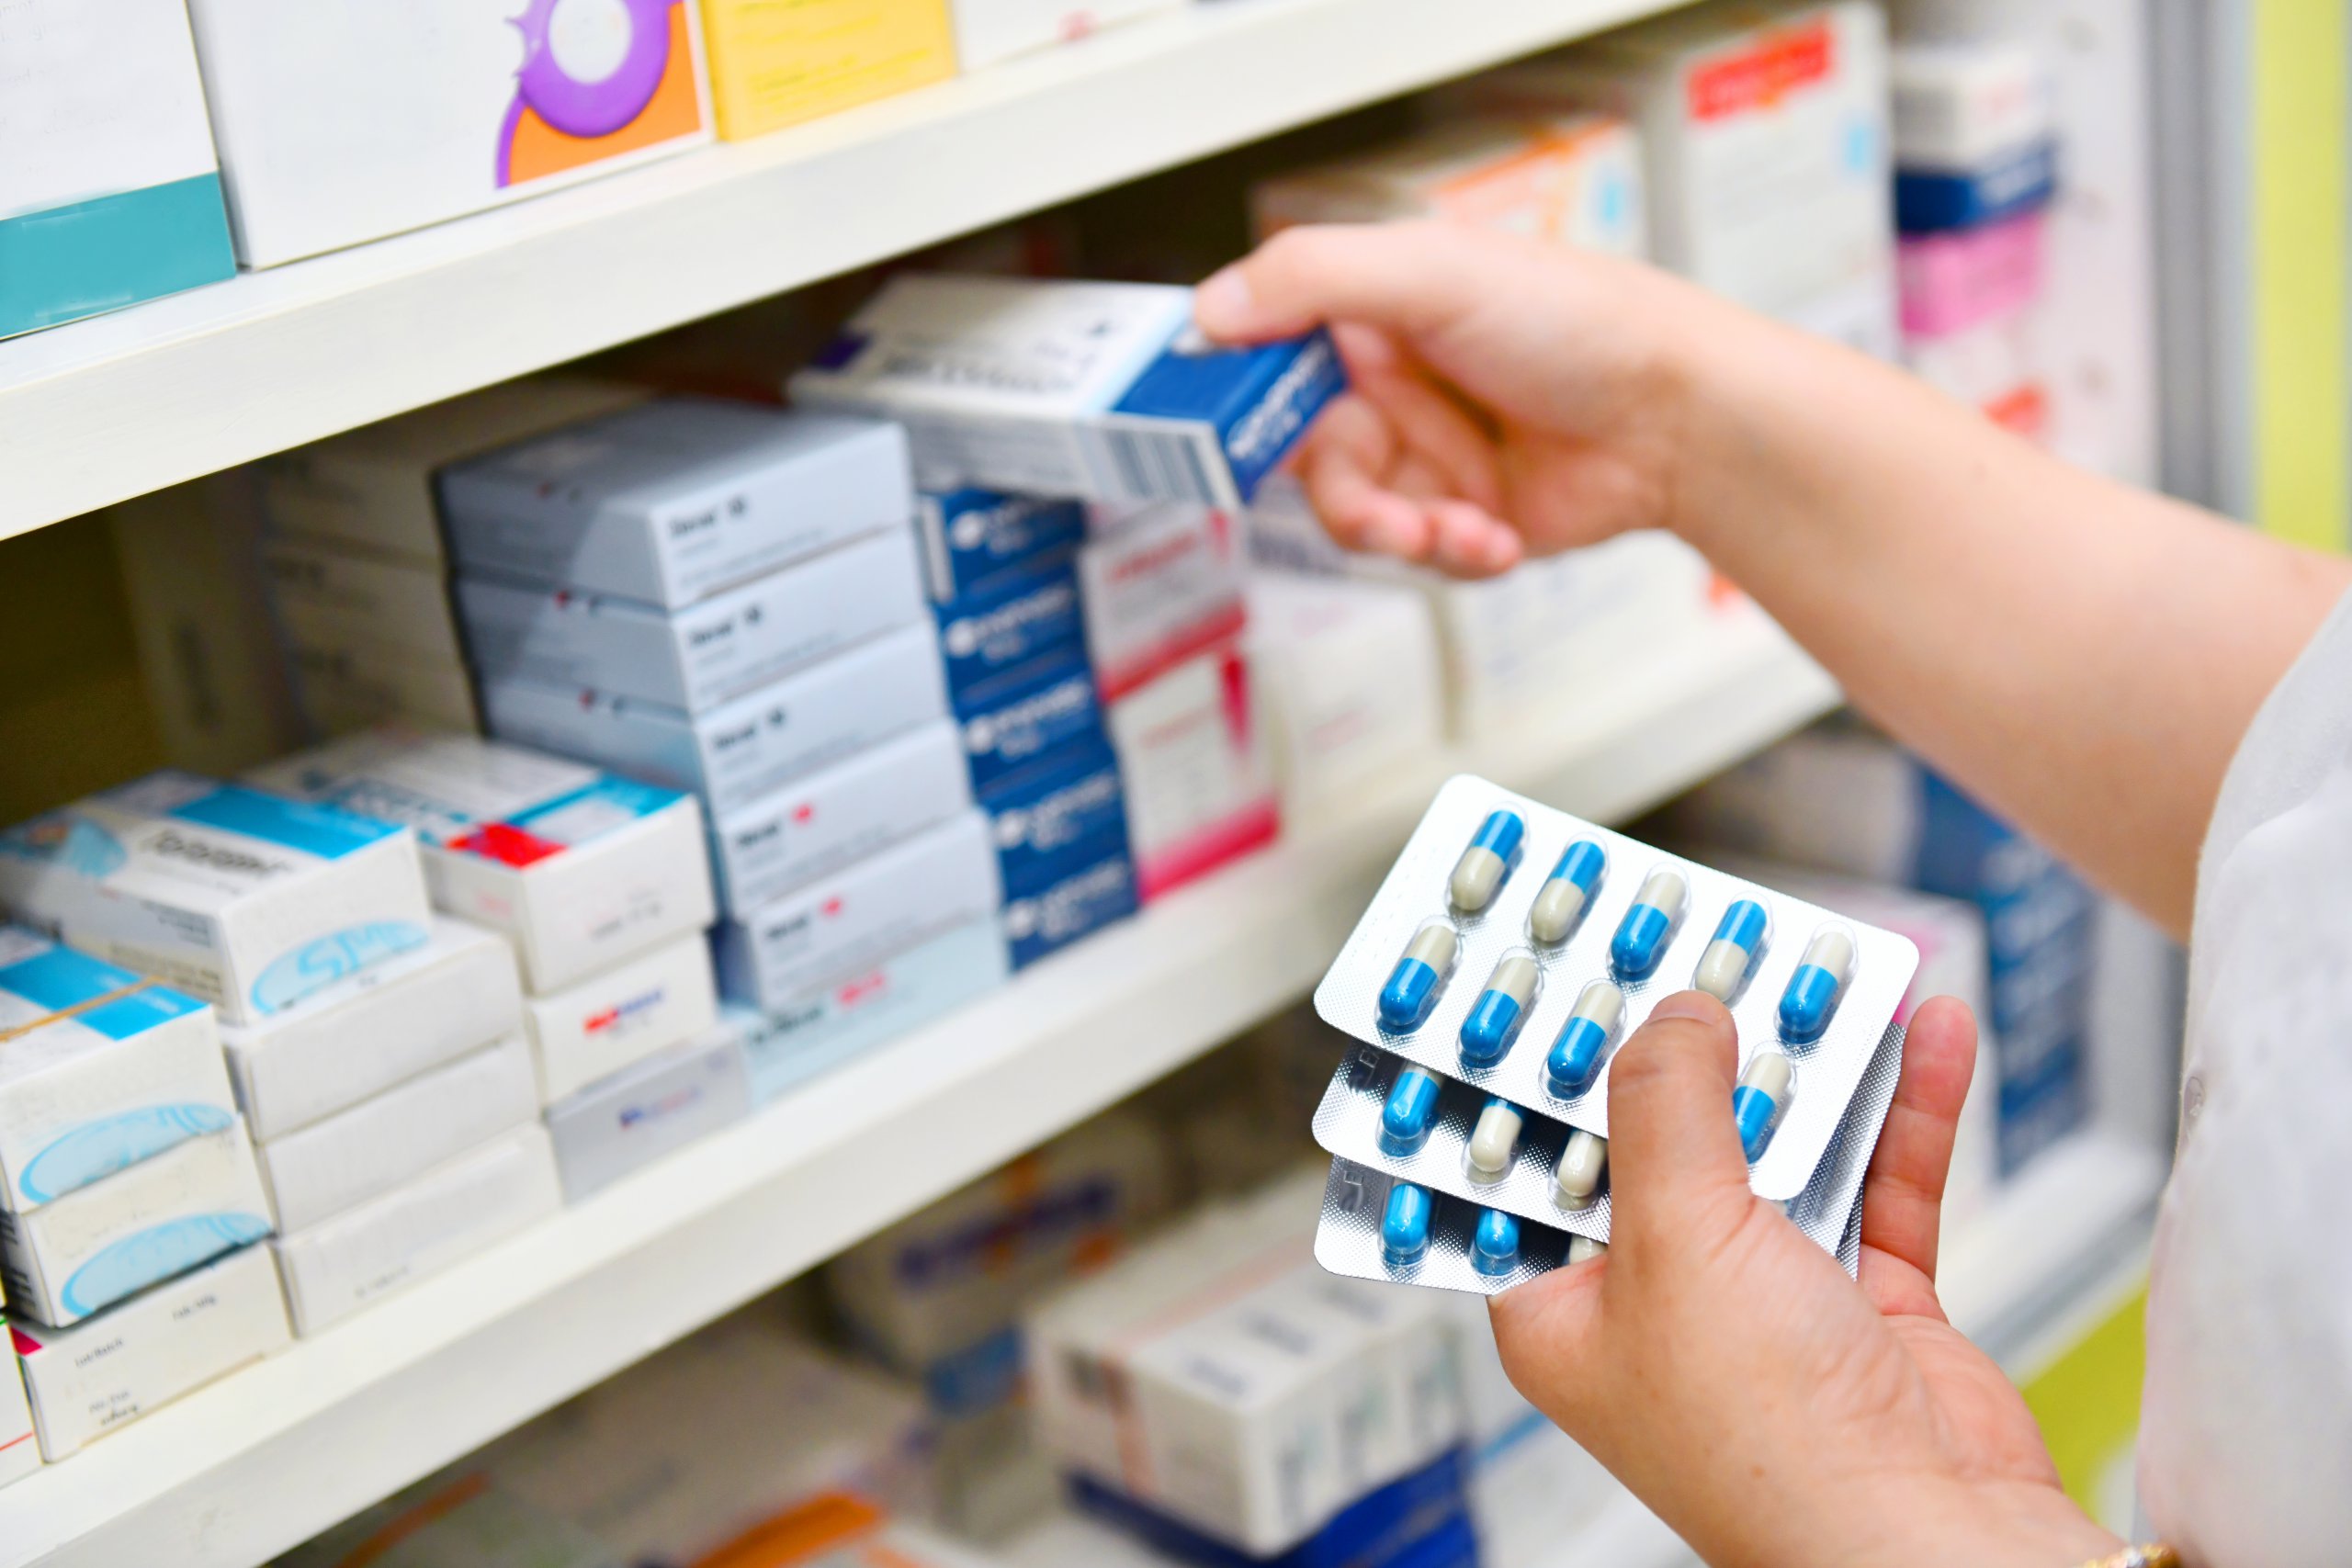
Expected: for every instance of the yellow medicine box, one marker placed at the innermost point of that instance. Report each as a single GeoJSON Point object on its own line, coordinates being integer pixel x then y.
{"type": "Point", "coordinates": [776, 63]}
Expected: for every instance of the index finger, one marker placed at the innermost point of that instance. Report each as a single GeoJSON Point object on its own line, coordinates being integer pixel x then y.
{"type": "Point", "coordinates": [1397, 275]}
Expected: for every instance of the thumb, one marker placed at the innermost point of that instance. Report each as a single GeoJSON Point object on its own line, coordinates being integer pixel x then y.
{"type": "Point", "coordinates": [1405, 277]}
{"type": "Point", "coordinates": [1674, 1153]}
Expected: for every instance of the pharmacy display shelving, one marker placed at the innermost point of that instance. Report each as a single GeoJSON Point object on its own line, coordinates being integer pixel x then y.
{"type": "Point", "coordinates": [102, 410]}
{"type": "Point", "coordinates": [274, 1453]}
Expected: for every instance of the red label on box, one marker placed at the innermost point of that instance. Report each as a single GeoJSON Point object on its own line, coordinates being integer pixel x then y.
{"type": "Point", "coordinates": [1780, 61]}
{"type": "Point", "coordinates": [509, 845]}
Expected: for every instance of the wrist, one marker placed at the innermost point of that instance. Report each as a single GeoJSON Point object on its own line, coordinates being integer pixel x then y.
{"type": "Point", "coordinates": [1984, 1524]}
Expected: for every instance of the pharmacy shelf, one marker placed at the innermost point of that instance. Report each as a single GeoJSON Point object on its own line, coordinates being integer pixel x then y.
{"type": "Point", "coordinates": [274, 1453]}
{"type": "Point", "coordinates": [110, 408]}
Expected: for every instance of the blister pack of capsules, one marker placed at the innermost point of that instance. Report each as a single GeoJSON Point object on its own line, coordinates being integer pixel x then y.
{"type": "Point", "coordinates": [1511, 951]}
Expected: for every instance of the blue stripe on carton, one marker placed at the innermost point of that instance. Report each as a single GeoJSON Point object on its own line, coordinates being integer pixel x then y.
{"type": "Point", "coordinates": [1932, 201]}
{"type": "Point", "coordinates": [65, 263]}
{"type": "Point", "coordinates": [327, 832]}
{"type": "Point", "coordinates": [1422, 1521]}
{"type": "Point", "coordinates": [1024, 714]}
{"type": "Point", "coordinates": [62, 979]}
{"type": "Point", "coordinates": [1100, 891]}
{"type": "Point", "coordinates": [626, 796]}
{"type": "Point", "coordinates": [1045, 816]}
{"type": "Point", "coordinates": [1260, 400]}
{"type": "Point", "coordinates": [974, 537]}
{"type": "Point", "coordinates": [1011, 623]}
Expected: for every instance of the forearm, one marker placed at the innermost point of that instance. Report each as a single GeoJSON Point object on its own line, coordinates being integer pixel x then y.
{"type": "Point", "coordinates": [2081, 655]}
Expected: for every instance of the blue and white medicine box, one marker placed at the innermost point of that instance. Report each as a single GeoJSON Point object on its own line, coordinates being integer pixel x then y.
{"type": "Point", "coordinates": [671, 501]}
{"type": "Point", "coordinates": [580, 870]}
{"type": "Point", "coordinates": [240, 897]}
{"type": "Point", "coordinates": [970, 537]}
{"type": "Point", "coordinates": [110, 190]}
{"type": "Point", "coordinates": [1102, 391]}
{"type": "Point", "coordinates": [100, 1069]}
{"type": "Point", "coordinates": [1057, 816]}
{"type": "Point", "coordinates": [1975, 133]}
{"type": "Point", "coordinates": [1078, 903]}
{"type": "Point", "coordinates": [1028, 713]}
{"type": "Point", "coordinates": [664, 1103]}
{"type": "Point", "coordinates": [1012, 622]}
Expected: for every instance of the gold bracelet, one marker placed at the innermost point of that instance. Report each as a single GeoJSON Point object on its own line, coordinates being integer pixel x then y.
{"type": "Point", "coordinates": [2156, 1554]}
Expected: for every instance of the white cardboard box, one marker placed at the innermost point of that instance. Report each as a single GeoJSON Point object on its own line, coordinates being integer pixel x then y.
{"type": "Point", "coordinates": [372, 489]}
{"type": "Point", "coordinates": [848, 922]}
{"type": "Point", "coordinates": [338, 124]}
{"type": "Point", "coordinates": [98, 1069]}
{"type": "Point", "coordinates": [1059, 387]}
{"type": "Point", "coordinates": [852, 809]}
{"type": "Point", "coordinates": [1159, 583]}
{"type": "Point", "coordinates": [596, 1027]}
{"type": "Point", "coordinates": [1961, 105]}
{"type": "Point", "coordinates": [1350, 679]}
{"type": "Point", "coordinates": [646, 1109]}
{"type": "Point", "coordinates": [88, 1380]}
{"type": "Point", "coordinates": [363, 1034]}
{"type": "Point", "coordinates": [19, 1454]}
{"type": "Point", "coordinates": [334, 601]}
{"type": "Point", "coordinates": [671, 501]}
{"type": "Point", "coordinates": [418, 1228]}
{"type": "Point", "coordinates": [80, 1253]}
{"type": "Point", "coordinates": [990, 30]}
{"type": "Point", "coordinates": [246, 900]}
{"type": "Point", "coordinates": [1199, 778]}
{"type": "Point", "coordinates": [578, 869]}
{"type": "Point", "coordinates": [335, 1164]}
{"type": "Point", "coordinates": [723, 646]}
{"type": "Point", "coordinates": [734, 753]}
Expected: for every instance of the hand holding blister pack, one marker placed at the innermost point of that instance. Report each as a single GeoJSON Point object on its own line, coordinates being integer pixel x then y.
{"type": "Point", "coordinates": [1509, 954]}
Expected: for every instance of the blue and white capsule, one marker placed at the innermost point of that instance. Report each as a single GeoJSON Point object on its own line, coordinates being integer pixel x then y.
{"type": "Point", "coordinates": [1584, 1249]}
{"type": "Point", "coordinates": [1561, 901]}
{"type": "Point", "coordinates": [1419, 976]}
{"type": "Point", "coordinates": [1494, 1143]}
{"type": "Point", "coordinates": [1811, 1001]}
{"type": "Point", "coordinates": [1758, 1104]}
{"type": "Point", "coordinates": [1584, 1163]}
{"type": "Point", "coordinates": [1479, 874]}
{"type": "Point", "coordinates": [1576, 1056]}
{"type": "Point", "coordinates": [1405, 1226]}
{"type": "Point", "coordinates": [1411, 1111]}
{"type": "Point", "coordinates": [1495, 1017]}
{"type": "Point", "coordinates": [1649, 926]}
{"type": "Point", "coordinates": [1739, 937]}
{"type": "Point", "coordinates": [1494, 1246]}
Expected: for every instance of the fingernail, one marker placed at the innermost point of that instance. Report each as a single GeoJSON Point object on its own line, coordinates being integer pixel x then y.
{"type": "Point", "coordinates": [1695, 1005]}
{"type": "Point", "coordinates": [1222, 301]}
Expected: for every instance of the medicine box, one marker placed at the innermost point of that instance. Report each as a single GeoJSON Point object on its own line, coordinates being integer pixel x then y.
{"type": "Point", "coordinates": [86, 1381]}
{"type": "Point", "coordinates": [723, 646]}
{"type": "Point", "coordinates": [1348, 680]}
{"type": "Point", "coordinates": [671, 501]}
{"type": "Point", "coordinates": [1966, 278]}
{"type": "Point", "coordinates": [1050, 388]}
{"type": "Point", "coordinates": [1200, 783]}
{"type": "Point", "coordinates": [345, 1159]}
{"type": "Point", "coordinates": [98, 1069]}
{"type": "Point", "coordinates": [1965, 105]}
{"type": "Point", "coordinates": [1162, 584]}
{"type": "Point", "coordinates": [340, 123]}
{"type": "Point", "coordinates": [646, 1109]}
{"type": "Point", "coordinates": [1764, 132]}
{"type": "Point", "coordinates": [1027, 715]}
{"type": "Point", "coordinates": [19, 1454]}
{"type": "Point", "coordinates": [776, 66]}
{"type": "Point", "coordinates": [357, 687]}
{"type": "Point", "coordinates": [244, 899]}
{"type": "Point", "coordinates": [80, 1253]}
{"type": "Point", "coordinates": [742, 751]}
{"type": "Point", "coordinates": [597, 1026]}
{"type": "Point", "coordinates": [820, 824]}
{"type": "Point", "coordinates": [370, 489]}
{"type": "Point", "coordinates": [1572, 179]}
{"type": "Point", "coordinates": [852, 920]}
{"type": "Point", "coordinates": [336, 601]}
{"type": "Point", "coordinates": [1057, 815]}
{"type": "Point", "coordinates": [990, 30]}
{"type": "Point", "coordinates": [375, 1029]}
{"type": "Point", "coordinates": [792, 1042]}
{"type": "Point", "coordinates": [1012, 622]}
{"type": "Point", "coordinates": [109, 192]}
{"type": "Point", "coordinates": [577, 868]}
{"type": "Point", "coordinates": [418, 1228]}
{"type": "Point", "coordinates": [1095, 891]}
{"type": "Point", "coordinates": [969, 537]}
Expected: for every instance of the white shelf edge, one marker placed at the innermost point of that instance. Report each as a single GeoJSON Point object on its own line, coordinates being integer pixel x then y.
{"type": "Point", "coordinates": [272, 1454]}
{"type": "Point", "coordinates": [99, 410]}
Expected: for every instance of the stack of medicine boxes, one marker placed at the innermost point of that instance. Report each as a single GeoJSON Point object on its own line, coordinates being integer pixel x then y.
{"type": "Point", "coordinates": [127, 1166]}
{"type": "Point", "coordinates": [357, 577]}
{"type": "Point", "coordinates": [1002, 572]}
{"type": "Point", "coordinates": [724, 598]}
{"type": "Point", "coordinates": [601, 885]}
{"type": "Point", "coordinates": [1975, 172]}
